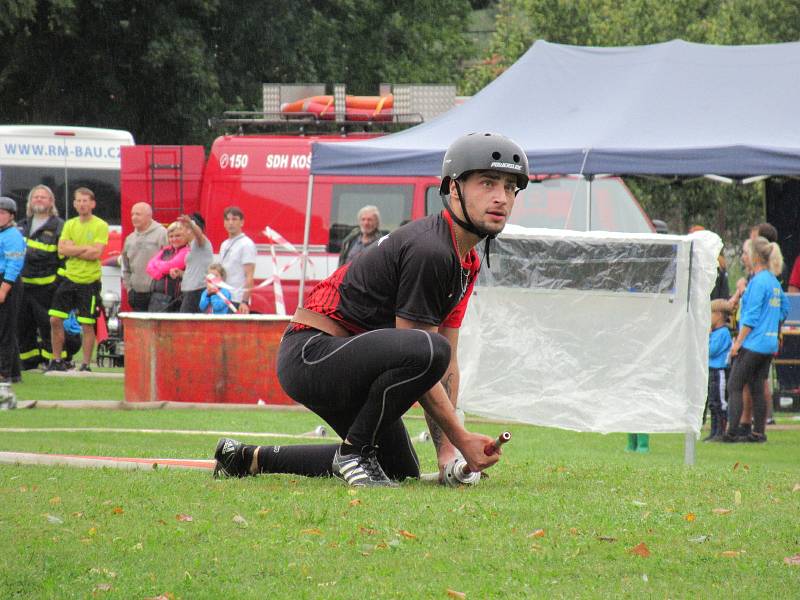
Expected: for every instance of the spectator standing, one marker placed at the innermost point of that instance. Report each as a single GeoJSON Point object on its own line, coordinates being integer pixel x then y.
{"type": "Point", "coordinates": [764, 307]}
{"type": "Point", "coordinates": [237, 255]}
{"type": "Point", "coordinates": [201, 255]}
{"type": "Point", "coordinates": [746, 420]}
{"type": "Point", "coordinates": [719, 346]}
{"type": "Point", "coordinates": [41, 229]}
{"type": "Point", "coordinates": [777, 268]}
{"type": "Point", "coordinates": [140, 246]}
{"type": "Point", "coordinates": [12, 259]}
{"type": "Point", "coordinates": [214, 296]}
{"type": "Point", "coordinates": [166, 269]}
{"type": "Point", "coordinates": [361, 237]}
{"type": "Point", "coordinates": [82, 242]}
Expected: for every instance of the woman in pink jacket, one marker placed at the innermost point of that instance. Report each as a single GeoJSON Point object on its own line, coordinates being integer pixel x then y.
{"type": "Point", "coordinates": [166, 268]}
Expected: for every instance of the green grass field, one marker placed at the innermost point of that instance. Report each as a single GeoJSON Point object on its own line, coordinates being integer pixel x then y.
{"type": "Point", "coordinates": [559, 517]}
{"type": "Point", "coordinates": [38, 386]}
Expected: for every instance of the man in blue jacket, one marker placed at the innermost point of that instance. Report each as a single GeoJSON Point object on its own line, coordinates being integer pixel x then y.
{"type": "Point", "coordinates": [12, 258]}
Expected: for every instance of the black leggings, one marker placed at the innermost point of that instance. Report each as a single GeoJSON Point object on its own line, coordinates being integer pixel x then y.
{"type": "Point", "coordinates": [361, 386]}
{"type": "Point", "coordinates": [751, 369]}
{"type": "Point", "coordinates": [9, 348]}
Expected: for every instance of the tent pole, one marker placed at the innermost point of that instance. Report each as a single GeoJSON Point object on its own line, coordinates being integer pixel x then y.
{"type": "Point", "coordinates": [306, 233]}
{"type": "Point", "coordinates": [689, 449]}
{"type": "Point", "coordinates": [588, 179]}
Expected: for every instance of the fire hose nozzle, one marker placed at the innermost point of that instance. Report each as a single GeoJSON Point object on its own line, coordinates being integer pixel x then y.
{"type": "Point", "coordinates": [457, 473]}
{"type": "Point", "coordinates": [501, 439]}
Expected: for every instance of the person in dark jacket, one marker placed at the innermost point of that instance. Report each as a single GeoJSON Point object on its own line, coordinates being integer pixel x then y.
{"type": "Point", "coordinates": [361, 237]}
{"type": "Point", "coordinates": [41, 229]}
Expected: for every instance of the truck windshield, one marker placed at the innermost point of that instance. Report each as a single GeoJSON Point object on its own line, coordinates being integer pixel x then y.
{"type": "Point", "coordinates": [560, 203]}
{"type": "Point", "coordinates": [393, 203]}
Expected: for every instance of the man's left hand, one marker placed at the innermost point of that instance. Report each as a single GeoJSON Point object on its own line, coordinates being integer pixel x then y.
{"type": "Point", "coordinates": [244, 308]}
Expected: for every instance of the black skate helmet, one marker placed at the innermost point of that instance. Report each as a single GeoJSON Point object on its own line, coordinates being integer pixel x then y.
{"type": "Point", "coordinates": [484, 152]}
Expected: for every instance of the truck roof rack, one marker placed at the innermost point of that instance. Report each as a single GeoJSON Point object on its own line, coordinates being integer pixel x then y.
{"type": "Point", "coordinates": [305, 123]}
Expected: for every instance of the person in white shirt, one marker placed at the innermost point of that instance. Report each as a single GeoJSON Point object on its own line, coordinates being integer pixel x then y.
{"type": "Point", "coordinates": [238, 256]}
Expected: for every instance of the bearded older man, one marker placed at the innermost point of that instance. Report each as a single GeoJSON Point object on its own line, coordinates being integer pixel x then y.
{"type": "Point", "coordinates": [361, 237]}
{"type": "Point", "coordinates": [41, 229]}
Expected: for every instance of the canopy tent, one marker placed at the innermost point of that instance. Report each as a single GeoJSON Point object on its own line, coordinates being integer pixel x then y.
{"type": "Point", "coordinates": [675, 108]}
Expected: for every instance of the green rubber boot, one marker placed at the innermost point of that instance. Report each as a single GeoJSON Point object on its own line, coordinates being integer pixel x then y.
{"type": "Point", "coordinates": [643, 442]}
{"type": "Point", "coordinates": [632, 440]}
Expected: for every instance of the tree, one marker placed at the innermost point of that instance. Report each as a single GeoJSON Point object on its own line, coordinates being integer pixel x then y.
{"type": "Point", "coordinates": [337, 41]}
{"type": "Point", "coordinates": [161, 69]}
{"type": "Point", "coordinates": [729, 210]}
{"type": "Point", "coordinates": [141, 66]}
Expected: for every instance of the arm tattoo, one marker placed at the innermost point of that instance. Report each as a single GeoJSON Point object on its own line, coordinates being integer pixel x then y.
{"type": "Point", "coordinates": [436, 432]}
{"type": "Point", "coordinates": [448, 386]}
{"type": "Point", "coordinates": [433, 427]}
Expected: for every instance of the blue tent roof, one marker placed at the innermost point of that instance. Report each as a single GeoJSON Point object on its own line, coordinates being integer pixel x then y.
{"type": "Point", "coordinates": [675, 108]}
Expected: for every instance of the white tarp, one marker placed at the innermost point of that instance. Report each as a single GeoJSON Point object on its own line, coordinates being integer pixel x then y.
{"type": "Point", "coordinates": [591, 331]}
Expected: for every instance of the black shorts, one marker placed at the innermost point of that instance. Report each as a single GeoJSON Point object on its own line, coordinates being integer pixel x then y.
{"type": "Point", "coordinates": [83, 298]}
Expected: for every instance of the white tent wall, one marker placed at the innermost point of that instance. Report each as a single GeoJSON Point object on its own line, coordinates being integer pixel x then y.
{"type": "Point", "coordinates": [609, 359]}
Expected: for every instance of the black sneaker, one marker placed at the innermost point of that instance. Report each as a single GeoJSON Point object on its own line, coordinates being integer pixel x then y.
{"type": "Point", "coordinates": [85, 368]}
{"type": "Point", "coordinates": [55, 365]}
{"type": "Point", "coordinates": [69, 364]}
{"type": "Point", "coordinates": [730, 438]}
{"type": "Point", "coordinates": [230, 459]}
{"type": "Point", "coordinates": [360, 470]}
{"type": "Point", "coordinates": [756, 438]}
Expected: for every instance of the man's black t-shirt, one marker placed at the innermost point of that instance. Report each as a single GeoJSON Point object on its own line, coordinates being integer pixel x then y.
{"type": "Point", "coordinates": [414, 273]}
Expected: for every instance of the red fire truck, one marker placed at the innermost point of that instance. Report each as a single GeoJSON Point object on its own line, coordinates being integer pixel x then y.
{"type": "Point", "coordinates": [267, 177]}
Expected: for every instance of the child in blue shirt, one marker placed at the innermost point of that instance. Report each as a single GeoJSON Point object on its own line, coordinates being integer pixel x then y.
{"type": "Point", "coordinates": [719, 347]}
{"type": "Point", "coordinates": [214, 296]}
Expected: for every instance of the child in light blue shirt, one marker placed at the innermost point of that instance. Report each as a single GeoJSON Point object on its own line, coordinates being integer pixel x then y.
{"type": "Point", "coordinates": [215, 298]}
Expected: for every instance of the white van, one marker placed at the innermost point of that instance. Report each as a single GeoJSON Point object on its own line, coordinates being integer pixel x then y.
{"type": "Point", "coordinates": [63, 158]}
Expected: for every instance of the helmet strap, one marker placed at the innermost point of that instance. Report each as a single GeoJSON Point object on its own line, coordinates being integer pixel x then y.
{"type": "Point", "coordinates": [467, 223]}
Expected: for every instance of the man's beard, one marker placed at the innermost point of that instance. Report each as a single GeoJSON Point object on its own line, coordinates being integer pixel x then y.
{"type": "Point", "coordinates": [39, 210]}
